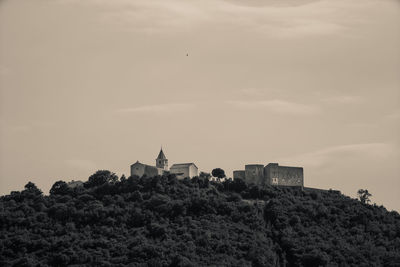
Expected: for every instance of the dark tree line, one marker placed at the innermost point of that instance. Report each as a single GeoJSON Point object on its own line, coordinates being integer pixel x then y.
{"type": "Point", "coordinates": [163, 221]}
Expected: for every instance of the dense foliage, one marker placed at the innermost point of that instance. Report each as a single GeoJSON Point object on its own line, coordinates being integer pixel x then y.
{"type": "Point", "coordinates": [218, 172]}
{"type": "Point", "coordinates": [162, 221]}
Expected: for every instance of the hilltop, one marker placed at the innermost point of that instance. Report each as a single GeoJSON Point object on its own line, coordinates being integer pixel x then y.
{"type": "Point", "coordinates": [164, 221]}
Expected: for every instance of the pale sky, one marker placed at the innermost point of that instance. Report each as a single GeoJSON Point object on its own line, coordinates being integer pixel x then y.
{"type": "Point", "coordinates": [99, 84]}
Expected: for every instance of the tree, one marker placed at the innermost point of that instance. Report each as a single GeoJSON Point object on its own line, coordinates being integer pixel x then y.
{"type": "Point", "coordinates": [218, 172]}
{"type": "Point", "coordinates": [238, 185]}
{"type": "Point", "coordinates": [59, 188]}
{"type": "Point", "coordinates": [101, 177]}
{"type": "Point", "coordinates": [364, 195]}
{"type": "Point", "coordinates": [32, 188]}
{"type": "Point", "coordinates": [204, 175]}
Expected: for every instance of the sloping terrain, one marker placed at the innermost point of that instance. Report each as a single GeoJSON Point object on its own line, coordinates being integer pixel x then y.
{"type": "Point", "coordinates": [162, 221]}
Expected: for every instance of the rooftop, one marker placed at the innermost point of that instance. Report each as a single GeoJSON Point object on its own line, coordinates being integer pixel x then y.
{"type": "Point", "coordinates": [183, 165]}
{"type": "Point", "coordinates": [161, 155]}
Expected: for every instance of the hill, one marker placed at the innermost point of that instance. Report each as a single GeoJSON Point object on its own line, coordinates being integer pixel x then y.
{"type": "Point", "coordinates": [162, 221]}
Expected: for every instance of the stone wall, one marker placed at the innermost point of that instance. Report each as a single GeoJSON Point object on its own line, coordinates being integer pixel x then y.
{"type": "Point", "coordinates": [254, 173]}
{"type": "Point", "coordinates": [162, 164]}
{"type": "Point", "coordinates": [184, 170]}
{"type": "Point", "coordinates": [151, 171]}
{"type": "Point", "coordinates": [283, 175]}
{"type": "Point", "coordinates": [141, 169]}
{"type": "Point", "coordinates": [137, 169]}
{"type": "Point", "coordinates": [180, 171]}
{"type": "Point", "coordinates": [193, 171]}
{"type": "Point", "coordinates": [239, 175]}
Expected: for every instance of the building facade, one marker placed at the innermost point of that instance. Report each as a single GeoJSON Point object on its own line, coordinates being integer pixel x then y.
{"type": "Point", "coordinates": [239, 174]}
{"type": "Point", "coordinates": [254, 173]}
{"type": "Point", "coordinates": [272, 174]}
{"type": "Point", "coordinates": [140, 169]}
{"type": "Point", "coordinates": [183, 170]}
{"type": "Point", "coordinates": [284, 175]}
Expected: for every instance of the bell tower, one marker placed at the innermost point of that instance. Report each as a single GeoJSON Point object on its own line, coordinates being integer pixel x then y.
{"type": "Point", "coordinates": [162, 161]}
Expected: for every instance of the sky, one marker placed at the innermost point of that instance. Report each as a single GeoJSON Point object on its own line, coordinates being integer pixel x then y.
{"type": "Point", "coordinates": [95, 84]}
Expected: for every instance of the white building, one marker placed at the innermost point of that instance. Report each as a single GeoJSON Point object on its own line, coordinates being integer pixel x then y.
{"type": "Point", "coordinates": [183, 170]}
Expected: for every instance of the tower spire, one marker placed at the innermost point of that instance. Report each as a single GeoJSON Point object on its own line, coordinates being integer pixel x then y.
{"type": "Point", "coordinates": [161, 160]}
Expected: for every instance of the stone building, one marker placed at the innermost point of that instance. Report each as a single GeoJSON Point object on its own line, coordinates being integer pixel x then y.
{"type": "Point", "coordinates": [183, 170]}
{"type": "Point", "coordinates": [254, 173]}
{"type": "Point", "coordinates": [140, 169]}
{"type": "Point", "coordinates": [283, 175]}
{"type": "Point", "coordinates": [239, 175]}
{"type": "Point", "coordinates": [272, 174]}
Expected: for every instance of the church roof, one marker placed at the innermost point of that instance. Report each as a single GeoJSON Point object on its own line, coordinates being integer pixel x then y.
{"type": "Point", "coordinates": [177, 165]}
{"type": "Point", "coordinates": [146, 165]}
{"type": "Point", "coordinates": [161, 155]}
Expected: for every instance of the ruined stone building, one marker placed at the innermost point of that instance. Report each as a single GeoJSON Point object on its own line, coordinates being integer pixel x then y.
{"type": "Point", "coordinates": [272, 174]}
{"type": "Point", "coordinates": [181, 170]}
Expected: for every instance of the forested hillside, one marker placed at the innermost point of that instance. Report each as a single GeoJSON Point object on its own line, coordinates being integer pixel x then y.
{"type": "Point", "coordinates": [162, 221]}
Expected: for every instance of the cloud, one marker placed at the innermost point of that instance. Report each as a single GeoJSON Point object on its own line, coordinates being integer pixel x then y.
{"type": "Point", "coordinates": [280, 3]}
{"type": "Point", "coordinates": [173, 107]}
{"type": "Point", "coordinates": [306, 27]}
{"type": "Point", "coordinates": [276, 105]}
{"type": "Point", "coordinates": [282, 19]}
{"type": "Point", "coordinates": [150, 17]}
{"type": "Point", "coordinates": [325, 156]}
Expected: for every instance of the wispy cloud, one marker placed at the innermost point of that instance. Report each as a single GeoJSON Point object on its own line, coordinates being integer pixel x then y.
{"type": "Point", "coordinates": [276, 105]}
{"type": "Point", "coordinates": [173, 107]}
{"type": "Point", "coordinates": [289, 20]}
{"type": "Point", "coordinates": [272, 3]}
{"type": "Point", "coordinates": [325, 156]}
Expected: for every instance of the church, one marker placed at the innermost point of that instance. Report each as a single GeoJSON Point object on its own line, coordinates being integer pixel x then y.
{"type": "Point", "coordinates": [181, 170]}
